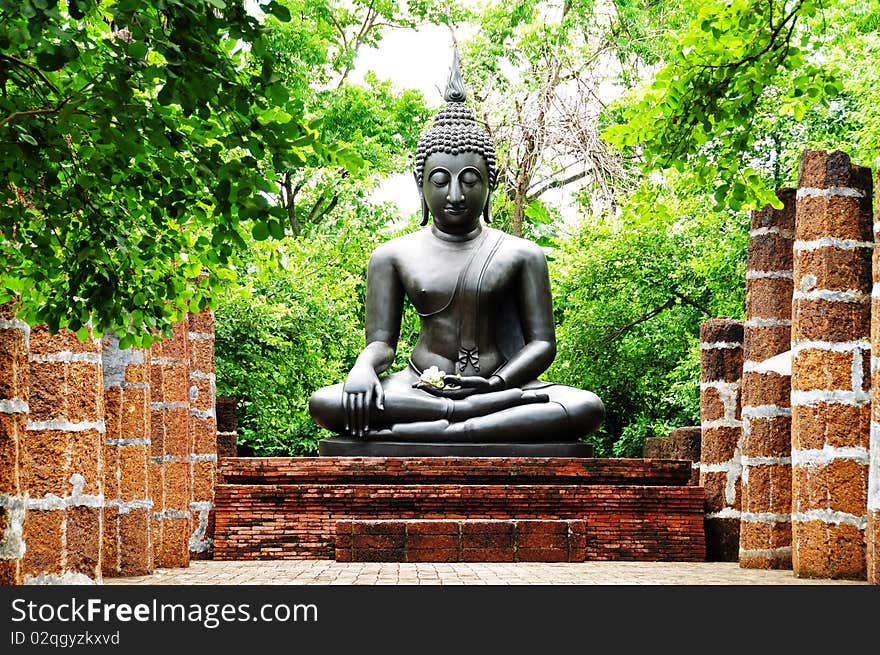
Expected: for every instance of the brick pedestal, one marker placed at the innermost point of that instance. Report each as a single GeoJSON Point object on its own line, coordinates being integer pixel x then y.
{"type": "Point", "coordinates": [721, 362]}
{"type": "Point", "coordinates": [288, 508]}
{"type": "Point", "coordinates": [830, 368]}
{"type": "Point", "coordinates": [128, 505]}
{"type": "Point", "coordinates": [462, 540]}
{"type": "Point", "coordinates": [765, 527]}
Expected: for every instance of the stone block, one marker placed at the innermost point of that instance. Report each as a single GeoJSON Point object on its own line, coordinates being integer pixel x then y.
{"type": "Point", "coordinates": [835, 269]}
{"type": "Point", "coordinates": [83, 534]}
{"type": "Point", "coordinates": [826, 320]}
{"type": "Point", "coordinates": [719, 444]}
{"type": "Point", "coordinates": [822, 369]}
{"type": "Point", "coordinates": [765, 341]}
{"type": "Point", "coordinates": [839, 486]}
{"type": "Point", "coordinates": [769, 298]}
{"type": "Point", "coordinates": [41, 534]}
{"type": "Point", "coordinates": [828, 550]}
{"type": "Point", "coordinates": [834, 425]}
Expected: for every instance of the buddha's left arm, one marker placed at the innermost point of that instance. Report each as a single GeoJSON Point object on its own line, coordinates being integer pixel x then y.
{"type": "Point", "coordinates": [535, 307]}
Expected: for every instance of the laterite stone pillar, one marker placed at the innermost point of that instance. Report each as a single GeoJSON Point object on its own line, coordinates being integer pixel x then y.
{"type": "Point", "coordinates": [657, 448]}
{"type": "Point", "coordinates": [128, 506]}
{"type": "Point", "coordinates": [61, 459]}
{"type": "Point", "coordinates": [830, 378]}
{"type": "Point", "coordinates": [14, 336]}
{"type": "Point", "coordinates": [227, 426]}
{"type": "Point", "coordinates": [203, 432]}
{"type": "Point", "coordinates": [765, 527]}
{"type": "Point", "coordinates": [170, 480]}
{"type": "Point", "coordinates": [873, 528]}
{"type": "Point", "coordinates": [684, 443]}
{"type": "Point", "coordinates": [721, 362]}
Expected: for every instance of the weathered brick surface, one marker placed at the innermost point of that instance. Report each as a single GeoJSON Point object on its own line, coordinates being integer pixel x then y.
{"type": "Point", "coordinates": [462, 540]}
{"type": "Point", "coordinates": [721, 367]}
{"type": "Point", "coordinates": [765, 523]}
{"type": "Point", "coordinates": [202, 432]}
{"type": "Point", "coordinates": [61, 458]}
{"type": "Point", "coordinates": [765, 298]}
{"type": "Point", "coordinates": [657, 448]}
{"type": "Point", "coordinates": [127, 548]}
{"type": "Point", "coordinates": [13, 420]}
{"type": "Point", "coordinates": [170, 478]}
{"type": "Point", "coordinates": [451, 470]}
{"type": "Point", "coordinates": [830, 413]}
{"type": "Point", "coordinates": [685, 444]}
{"type": "Point", "coordinates": [82, 475]}
{"type": "Point", "coordinates": [623, 520]}
{"type": "Point", "coordinates": [873, 538]}
{"type": "Point", "coordinates": [872, 533]}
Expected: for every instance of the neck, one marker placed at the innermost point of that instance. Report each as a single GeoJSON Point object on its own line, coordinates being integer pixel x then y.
{"type": "Point", "coordinates": [457, 236]}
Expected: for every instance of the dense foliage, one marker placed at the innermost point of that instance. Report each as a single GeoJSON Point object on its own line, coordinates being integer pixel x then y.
{"type": "Point", "coordinates": [130, 135]}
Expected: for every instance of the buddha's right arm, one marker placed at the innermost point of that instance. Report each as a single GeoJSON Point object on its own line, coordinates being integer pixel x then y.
{"type": "Point", "coordinates": [384, 306]}
{"type": "Point", "coordinates": [377, 355]}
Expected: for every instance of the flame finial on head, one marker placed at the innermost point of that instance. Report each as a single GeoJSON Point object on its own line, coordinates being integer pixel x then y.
{"type": "Point", "coordinates": [455, 91]}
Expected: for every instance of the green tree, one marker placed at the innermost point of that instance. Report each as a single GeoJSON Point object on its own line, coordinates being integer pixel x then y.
{"type": "Point", "coordinates": [630, 292]}
{"type": "Point", "coordinates": [130, 136]}
{"type": "Point", "coordinates": [741, 81]}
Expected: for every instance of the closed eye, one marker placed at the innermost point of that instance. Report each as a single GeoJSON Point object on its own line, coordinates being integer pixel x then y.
{"type": "Point", "coordinates": [470, 177]}
{"type": "Point", "coordinates": [439, 178]}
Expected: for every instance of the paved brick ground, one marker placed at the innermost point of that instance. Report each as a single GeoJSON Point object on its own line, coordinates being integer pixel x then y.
{"type": "Point", "coordinates": [328, 572]}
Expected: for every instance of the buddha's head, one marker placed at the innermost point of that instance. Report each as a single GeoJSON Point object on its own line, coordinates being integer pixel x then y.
{"type": "Point", "coordinates": [455, 163]}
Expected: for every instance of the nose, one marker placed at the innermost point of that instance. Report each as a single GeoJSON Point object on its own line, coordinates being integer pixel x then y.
{"type": "Point", "coordinates": [454, 196]}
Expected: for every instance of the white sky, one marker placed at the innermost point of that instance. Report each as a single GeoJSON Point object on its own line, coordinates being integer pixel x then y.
{"type": "Point", "coordinates": [410, 59]}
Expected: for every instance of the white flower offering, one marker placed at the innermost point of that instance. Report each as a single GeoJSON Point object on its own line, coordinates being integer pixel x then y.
{"type": "Point", "coordinates": [434, 376]}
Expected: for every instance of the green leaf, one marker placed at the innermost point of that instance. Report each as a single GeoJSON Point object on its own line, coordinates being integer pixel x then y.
{"type": "Point", "coordinates": [260, 231]}
{"type": "Point", "coordinates": [278, 10]}
{"type": "Point", "coordinates": [137, 49]}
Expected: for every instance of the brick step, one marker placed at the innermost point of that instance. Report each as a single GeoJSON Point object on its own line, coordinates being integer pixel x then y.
{"type": "Point", "coordinates": [453, 470]}
{"type": "Point", "coordinates": [464, 540]}
{"type": "Point", "coordinates": [297, 521]}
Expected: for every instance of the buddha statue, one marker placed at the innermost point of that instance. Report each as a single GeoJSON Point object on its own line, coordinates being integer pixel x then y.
{"type": "Point", "coordinates": [471, 386]}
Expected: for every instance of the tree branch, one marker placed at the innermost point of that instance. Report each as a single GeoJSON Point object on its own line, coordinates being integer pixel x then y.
{"type": "Point", "coordinates": [555, 184]}
{"type": "Point", "coordinates": [40, 74]}
{"type": "Point", "coordinates": [619, 332]}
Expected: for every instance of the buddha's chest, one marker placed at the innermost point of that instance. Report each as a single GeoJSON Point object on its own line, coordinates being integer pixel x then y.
{"type": "Point", "coordinates": [441, 280]}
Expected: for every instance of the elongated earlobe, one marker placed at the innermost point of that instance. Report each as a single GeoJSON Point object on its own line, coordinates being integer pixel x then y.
{"type": "Point", "coordinates": [425, 215]}
{"type": "Point", "coordinates": [486, 208]}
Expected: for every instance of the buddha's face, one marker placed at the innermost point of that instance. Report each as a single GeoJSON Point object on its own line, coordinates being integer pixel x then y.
{"type": "Point", "coordinates": [455, 188]}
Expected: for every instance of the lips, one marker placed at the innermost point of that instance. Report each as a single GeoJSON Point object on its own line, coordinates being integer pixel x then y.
{"type": "Point", "coordinates": [455, 211]}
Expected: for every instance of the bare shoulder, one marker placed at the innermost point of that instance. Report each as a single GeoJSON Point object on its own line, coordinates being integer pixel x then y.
{"type": "Point", "coordinates": [391, 251]}
{"type": "Point", "coordinates": [522, 249]}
